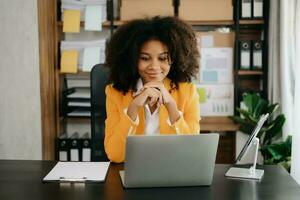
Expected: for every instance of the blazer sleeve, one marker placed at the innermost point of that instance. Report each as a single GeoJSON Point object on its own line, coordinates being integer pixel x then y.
{"type": "Point", "coordinates": [189, 121]}
{"type": "Point", "coordinates": [118, 125]}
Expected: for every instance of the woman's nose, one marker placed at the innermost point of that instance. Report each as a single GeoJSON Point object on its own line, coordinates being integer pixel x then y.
{"type": "Point", "coordinates": [154, 64]}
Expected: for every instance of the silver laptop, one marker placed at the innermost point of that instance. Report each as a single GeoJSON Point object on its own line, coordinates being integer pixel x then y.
{"type": "Point", "coordinates": [169, 160]}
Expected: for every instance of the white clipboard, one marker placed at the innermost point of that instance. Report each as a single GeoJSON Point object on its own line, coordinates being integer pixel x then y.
{"type": "Point", "coordinates": [78, 172]}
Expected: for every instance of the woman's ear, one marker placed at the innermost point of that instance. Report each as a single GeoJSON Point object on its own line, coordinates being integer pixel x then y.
{"type": "Point", "coordinates": [169, 60]}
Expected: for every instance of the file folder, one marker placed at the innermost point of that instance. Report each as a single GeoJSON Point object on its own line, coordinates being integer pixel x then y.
{"type": "Point", "coordinates": [89, 53]}
{"type": "Point", "coordinates": [93, 18]}
{"type": "Point", "coordinates": [69, 61]}
{"type": "Point", "coordinates": [257, 54]}
{"type": "Point", "coordinates": [245, 9]}
{"type": "Point", "coordinates": [71, 21]}
{"type": "Point", "coordinates": [74, 147]}
{"type": "Point", "coordinates": [244, 55]}
{"type": "Point", "coordinates": [62, 148]}
{"type": "Point", "coordinates": [258, 8]}
{"type": "Point", "coordinates": [85, 144]}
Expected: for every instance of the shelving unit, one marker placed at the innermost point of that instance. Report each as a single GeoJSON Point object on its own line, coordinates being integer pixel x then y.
{"type": "Point", "coordinates": [256, 29]}
{"type": "Point", "coordinates": [250, 72]}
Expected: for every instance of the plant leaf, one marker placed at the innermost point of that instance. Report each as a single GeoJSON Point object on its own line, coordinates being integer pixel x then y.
{"type": "Point", "coordinates": [275, 130]}
{"type": "Point", "coordinates": [272, 108]}
{"type": "Point", "coordinates": [247, 115]}
{"type": "Point", "coordinates": [250, 101]}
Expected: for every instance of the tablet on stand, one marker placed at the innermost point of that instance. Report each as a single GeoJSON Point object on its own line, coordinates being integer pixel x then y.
{"type": "Point", "coordinates": [252, 172]}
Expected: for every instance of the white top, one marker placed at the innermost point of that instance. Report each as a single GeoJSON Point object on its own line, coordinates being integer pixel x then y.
{"type": "Point", "coordinates": [151, 120]}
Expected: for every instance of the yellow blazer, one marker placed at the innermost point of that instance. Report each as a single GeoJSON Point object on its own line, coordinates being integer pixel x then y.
{"type": "Point", "coordinates": [118, 125]}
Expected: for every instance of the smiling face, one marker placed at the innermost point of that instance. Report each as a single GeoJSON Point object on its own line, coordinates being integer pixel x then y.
{"type": "Point", "coordinates": [154, 61]}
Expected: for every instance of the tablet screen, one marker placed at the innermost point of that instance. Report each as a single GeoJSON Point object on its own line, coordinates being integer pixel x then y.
{"type": "Point", "coordinates": [254, 133]}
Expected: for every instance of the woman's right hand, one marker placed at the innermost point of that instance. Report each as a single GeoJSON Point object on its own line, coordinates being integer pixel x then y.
{"type": "Point", "coordinates": [151, 96]}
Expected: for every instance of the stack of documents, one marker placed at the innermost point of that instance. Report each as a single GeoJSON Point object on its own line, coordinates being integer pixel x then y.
{"type": "Point", "coordinates": [79, 102]}
{"type": "Point", "coordinates": [93, 12]}
{"type": "Point", "coordinates": [78, 80]}
{"type": "Point", "coordinates": [78, 172]}
{"type": "Point", "coordinates": [81, 55]}
{"type": "Point", "coordinates": [77, 97]}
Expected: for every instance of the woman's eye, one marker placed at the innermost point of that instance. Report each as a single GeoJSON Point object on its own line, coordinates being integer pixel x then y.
{"type": "Point", "coordinates": [144, 58]}
{"type": "Point", "coordinates": [164, 59]}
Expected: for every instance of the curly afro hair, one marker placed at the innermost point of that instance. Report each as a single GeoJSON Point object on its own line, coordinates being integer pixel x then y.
{"type": "Point", "coordinates": [122, 52]}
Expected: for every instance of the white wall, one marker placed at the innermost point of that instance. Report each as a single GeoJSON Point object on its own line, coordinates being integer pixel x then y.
{"type": "Point", "coordinates": [20, 113]}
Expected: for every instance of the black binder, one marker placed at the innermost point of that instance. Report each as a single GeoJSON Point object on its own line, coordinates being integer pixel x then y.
{"type": "Point", "coordinates": [257, 55]}
{"type": "Point", "coordinates": [251, 9]}
{"type": "Point", "coordinates": [245, 9]}
{"type": "Point", "coordinates": [257, 7]}
{"type": "Point", "coordinates": [63, 148]}
{"type": "Point", "coordinates": [74, 147]}
{"type": "Point", "coordinates": [85, 148]}
{"type": "Point", "coordinates": [244, 55]}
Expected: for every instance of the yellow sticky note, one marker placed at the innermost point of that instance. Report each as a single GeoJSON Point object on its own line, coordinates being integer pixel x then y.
{"type": "Point", "coordinates": [69, 61]}
{"type": "Point", "coordinates": [202, 95]}
{"type": "Point", "coordinates": [71, 21]}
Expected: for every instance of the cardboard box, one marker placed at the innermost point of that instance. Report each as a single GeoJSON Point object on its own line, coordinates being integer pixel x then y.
{"type": "Point", "coordinates": [133, 9]}
{"type": "Point", "coordinates": [206, 10]}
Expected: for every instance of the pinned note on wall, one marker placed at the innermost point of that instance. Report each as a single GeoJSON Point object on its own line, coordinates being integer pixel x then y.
{"type": "Point", "coordinates": [216, 65]}
{"type": "Point", "coordinates": [216, 99]}
{"type": "Point", "coordinates": [71, 21]}
{"type": "Point", "coordinates": [202, 95]}
{"type": "Point", "coordinates": [69, 61]}
{"type": "Point", "coordinates": [91, 57]}
{"type": "Point", "coordinates": [93, 18]}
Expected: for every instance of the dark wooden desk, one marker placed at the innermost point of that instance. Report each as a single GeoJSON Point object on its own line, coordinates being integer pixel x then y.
{"type": "Point", "coordinates": [22, 180]}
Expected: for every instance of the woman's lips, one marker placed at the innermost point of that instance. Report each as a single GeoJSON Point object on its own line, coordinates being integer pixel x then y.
{"type": "Point", "coordinates": [153, 74]}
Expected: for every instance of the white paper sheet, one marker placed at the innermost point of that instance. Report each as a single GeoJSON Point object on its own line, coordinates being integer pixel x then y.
{"type": "Point", "coordinates": [219, 100]}
{"type": "Point", "coordinates": [216, 65]}
{"type": "Point", "coordinates": [81, 93]}
{"type": "Point", "coordinates": [72, 171]}
{"type": "Point", "coordinates": [93, 18]}
{"type": "Point", "coordinates": [80, 46]}
{"type": "Point", "coordinates": [207, 41]}
{"type": "Point", "coordinates": [91, 57]}
{"type": "Point", "coordinates": [79, 113]}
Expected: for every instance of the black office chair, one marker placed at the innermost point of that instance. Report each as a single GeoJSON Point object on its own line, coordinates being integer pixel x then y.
{"type": "Point", "coordinates": [99, 80]}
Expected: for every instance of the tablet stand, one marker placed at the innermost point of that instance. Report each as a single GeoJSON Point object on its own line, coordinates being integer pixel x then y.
{"type": "Point", "coordinates": [247, 173]}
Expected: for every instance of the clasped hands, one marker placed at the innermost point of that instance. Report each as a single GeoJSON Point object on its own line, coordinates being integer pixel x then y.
{"type": "Point", "coordinates": [154, 94]}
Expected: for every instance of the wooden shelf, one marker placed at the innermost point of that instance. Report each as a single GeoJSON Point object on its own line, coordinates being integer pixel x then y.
{"type": "Point", "coordinates": [105, 24]}
{"type": "Point", "coordinates": [218, 124]}
{"type": "Point", "coordinates": [78, 73]}
{"type": "Point", "coordinates": [116, 23]}
{"type": "Point", "coordinates": [212, 23]}
{"type": "Point", "coordinates": [250, 22]}
{"type": "Point", "coordinates": [250, 72]}
{"type": "Point", "coordinates": [193, 23]}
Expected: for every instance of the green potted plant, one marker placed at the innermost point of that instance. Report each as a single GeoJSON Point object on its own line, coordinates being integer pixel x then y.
{"type": "Point", "coordinates": [248, 116]}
